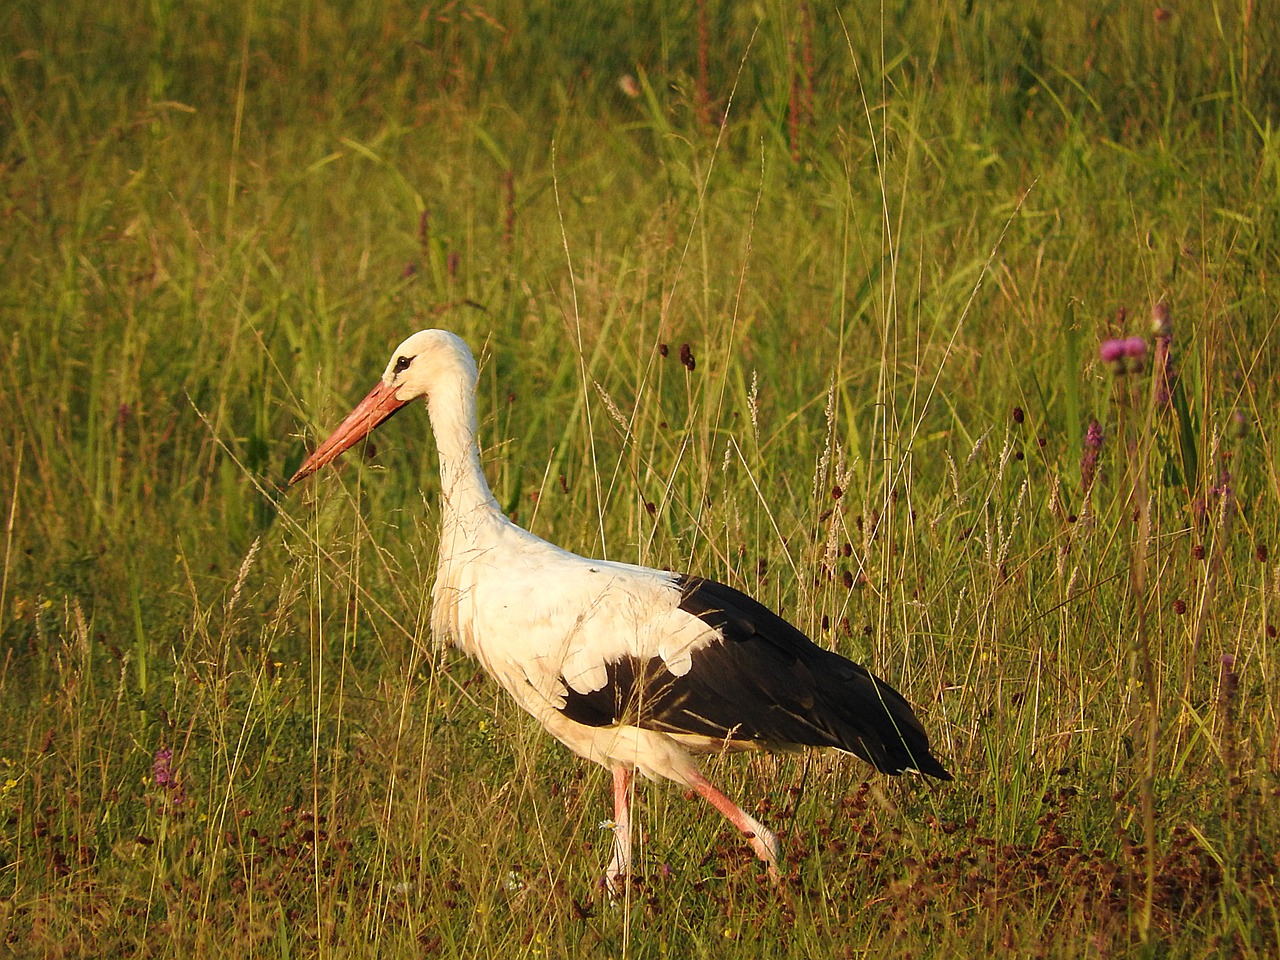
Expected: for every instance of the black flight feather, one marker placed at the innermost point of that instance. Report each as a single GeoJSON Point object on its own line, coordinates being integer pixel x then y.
{"type": "Point", "coordinates": [765, 683]}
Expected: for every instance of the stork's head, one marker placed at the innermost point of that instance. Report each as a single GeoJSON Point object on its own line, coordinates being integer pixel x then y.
{"type": "Point", "coordinates": [430, 362]}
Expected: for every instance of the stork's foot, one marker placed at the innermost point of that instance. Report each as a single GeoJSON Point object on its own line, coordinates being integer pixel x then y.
{"type": "Point", "coordinates": [615, 876]}
{"type": "Point", "coordinates": [765, 843]}
{"type": "Point", "coordinates": [762, 840]}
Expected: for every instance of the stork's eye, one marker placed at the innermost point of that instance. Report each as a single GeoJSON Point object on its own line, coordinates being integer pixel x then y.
{"type": "Point", "coordinates": [402, 364]}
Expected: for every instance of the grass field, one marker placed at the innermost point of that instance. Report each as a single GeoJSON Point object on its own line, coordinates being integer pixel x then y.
{"type": "Point", "coordinates": [893, 239]}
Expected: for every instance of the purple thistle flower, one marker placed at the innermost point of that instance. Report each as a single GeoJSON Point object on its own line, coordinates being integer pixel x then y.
{"type": "Point", "coordinates": [161, 772]}
{"type": "Point", "coordinates": [1119, 353]}
{"type": "Point", "coordinates": [1135, 348]}
{"type": "Point", "coordinates": [1111, 351]}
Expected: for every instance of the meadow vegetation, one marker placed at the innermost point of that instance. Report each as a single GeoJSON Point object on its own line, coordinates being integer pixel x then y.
{"type": "Point", "coordinates": [808, 298]}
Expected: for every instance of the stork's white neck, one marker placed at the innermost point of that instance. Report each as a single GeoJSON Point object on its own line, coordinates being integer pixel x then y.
{"type": "Point", "coordinates": [464, 490]}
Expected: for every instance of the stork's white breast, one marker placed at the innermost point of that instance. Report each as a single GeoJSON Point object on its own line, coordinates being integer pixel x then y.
{"type": "Point", "coordinates": [540, 617]}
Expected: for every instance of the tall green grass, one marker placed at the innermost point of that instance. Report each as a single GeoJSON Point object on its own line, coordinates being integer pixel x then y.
{"type": "Point", "coordinates": [892, 239]}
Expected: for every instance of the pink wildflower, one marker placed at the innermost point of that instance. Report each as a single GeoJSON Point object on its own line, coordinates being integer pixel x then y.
{"type": "Point", "coordinates": [161, 772]}
{"type": "Point", "coordinates": [1125, 356]}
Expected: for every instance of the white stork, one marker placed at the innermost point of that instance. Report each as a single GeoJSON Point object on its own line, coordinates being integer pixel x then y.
{"type": "Point", "coordinates": [634, 668]}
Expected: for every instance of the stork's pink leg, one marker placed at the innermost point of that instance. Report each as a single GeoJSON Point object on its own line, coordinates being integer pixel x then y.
{"type": "Point", "coordinates": [620, 865]}
{"type": "Point", "coordinates": [761, 838]}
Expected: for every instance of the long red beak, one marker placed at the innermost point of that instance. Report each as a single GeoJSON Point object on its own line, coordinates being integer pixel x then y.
{"type": "Point", "coordinates": [360, 422]}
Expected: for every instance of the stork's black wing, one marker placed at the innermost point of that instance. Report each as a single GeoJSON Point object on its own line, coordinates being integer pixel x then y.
{"type": "Point", "coordinates": [766, 683]}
